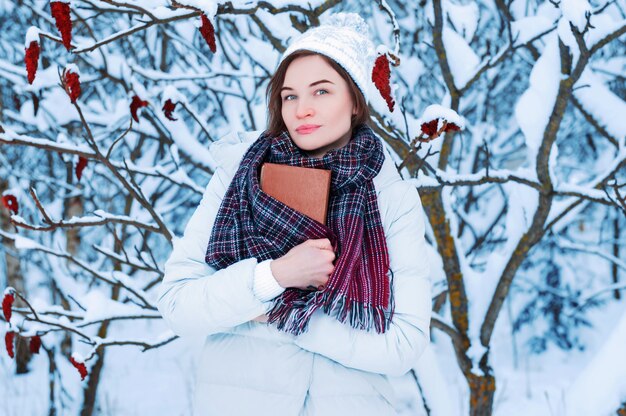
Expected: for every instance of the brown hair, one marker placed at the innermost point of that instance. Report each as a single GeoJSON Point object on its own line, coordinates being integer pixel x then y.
{"type": "Point", "coordinates": [275, 123]}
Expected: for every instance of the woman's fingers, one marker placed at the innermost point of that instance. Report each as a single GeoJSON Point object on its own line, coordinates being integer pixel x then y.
{"type": "Point", "coordinates": [323, 243]}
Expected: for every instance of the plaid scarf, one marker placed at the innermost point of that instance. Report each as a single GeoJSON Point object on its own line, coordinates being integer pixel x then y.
{"type": "Point", "coordinates": [250, 223]}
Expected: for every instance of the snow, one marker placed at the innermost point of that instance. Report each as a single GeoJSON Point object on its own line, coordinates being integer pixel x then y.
{"type": "Point", "coordinates": [600, 388]}
{"type": "Point", "coordinates": [78, 357]}
{"type": "Point", "coordinates": [605, 169]}
{"type": "Point", "coordinates": [549, 10]}
{"type": "Point", "coordinates": [435, 387]}
{"type": "Point", "coordinates": [12, 73]}
{"type": "Point", "coordinates": [180, 177]}
{"type": "Point", "coordinates": [451, 178]}
{"type": "Point", "coordinates": [423, 181]}
{"type": "Point", "coordinates": [100, 214]}
{"type": "Point", "coordinates": [518, 9]}
{"type": "Point", "coordinates": [10, 191]}
{"type": "Point", "coordinates": [604, 24]}
{"type": "Point", "coordinates": [567, 36]}
{"type": "Point", "coordinates": [72, 68]}
{"type": "Point", "coordinates": [171, 93]}
{"type": "Point", "coordinates": [583, 190]}
{"type": "Point", "coordinates": [208, 7]}
{"type": "Point", "coordinates": [480, 288]}
{"type": "Point", "coordinates": [263, 53]}
{"type": "Point", "coordinates": [534, 107]}
{"type": "Point", "coordinates": [178, 75]}
{"type": "Point", "coordinates": [436, 111]}
{"type": "Point", "coordinates": [520, 215]}
{"type": "Point", "coordinates": [464, 18]}
{"type": "Point", "coordinates": [32, 35]}
{"type": "Point", "coordinates": [574, 11]}
{"type": "Point", "coordinates": [163, 12]}
{"type": "Point", "coordinates": [412, 69]}
{"type": "Point", "coordinates": [281, 27]}
{"type": "Point", "coordinates": [462, 60]}
{"type": "Point", "coordinates": [24, 243]}
{"type": "Point", "coordinates": [131, 284]}
{"type": "Point", "coordinates": [529, 27]}
{"type": "Point", "coordinates": [180, 134]}
{"type": "Point", "coordinates": [308, 4]}
{"type": "Point", "coordinates": [176, 157]}
{"type": "Point", "coordinates": [10, 135]}
{"type": "Point", "coordinates": [81, 47]}
{"type": "Point", "coordinates": [100, 307]}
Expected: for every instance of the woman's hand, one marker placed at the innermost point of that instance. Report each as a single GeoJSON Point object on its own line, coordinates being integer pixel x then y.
{"type": "Point", "coordinates": [306, 266]}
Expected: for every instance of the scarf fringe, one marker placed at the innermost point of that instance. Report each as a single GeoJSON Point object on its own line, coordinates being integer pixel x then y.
{"type": "Point", "coordinates": [294, 318]}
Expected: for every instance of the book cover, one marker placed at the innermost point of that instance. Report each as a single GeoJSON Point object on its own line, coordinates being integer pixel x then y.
{"type": "Point", "coordinates": [304, 189]}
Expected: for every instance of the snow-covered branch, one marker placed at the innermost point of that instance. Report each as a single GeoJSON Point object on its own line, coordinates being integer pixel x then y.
{"type": "Point", "coordinates": [111, 277]}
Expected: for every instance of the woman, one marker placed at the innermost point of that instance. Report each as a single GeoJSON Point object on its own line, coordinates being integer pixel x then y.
{"type": "Point", "coordinates": [300, 318]}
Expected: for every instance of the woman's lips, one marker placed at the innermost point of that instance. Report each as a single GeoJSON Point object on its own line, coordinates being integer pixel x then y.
{"type": "Point", "coordinates": [307, 129]}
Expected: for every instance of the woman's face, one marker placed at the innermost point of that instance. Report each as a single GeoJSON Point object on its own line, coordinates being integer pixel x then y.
{"type": "Point", "coordinates": [316, 106]}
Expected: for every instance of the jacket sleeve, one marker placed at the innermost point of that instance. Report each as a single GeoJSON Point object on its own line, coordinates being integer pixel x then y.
{"type": "Point", "coordinates": [194, 298]}
{"type": "Point", "coordinates": [397, 350]}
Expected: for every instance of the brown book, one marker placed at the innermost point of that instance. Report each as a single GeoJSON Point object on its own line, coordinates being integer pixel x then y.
{"type": "Point", "coordinates": [304, 189]}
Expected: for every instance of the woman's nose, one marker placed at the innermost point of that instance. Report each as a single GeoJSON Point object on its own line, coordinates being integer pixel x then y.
{"type": "Point", "coordinates": [304, 109]}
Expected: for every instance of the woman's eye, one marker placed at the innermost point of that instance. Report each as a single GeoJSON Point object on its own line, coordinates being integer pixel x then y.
{"type": "Point", "coordinates": [286, 97]}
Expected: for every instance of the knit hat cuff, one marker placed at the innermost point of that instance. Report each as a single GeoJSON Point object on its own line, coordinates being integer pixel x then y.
{"type": "Point", "coordinates": [357, 75]}
{"type": "Point", "coordinates": [344, 38]}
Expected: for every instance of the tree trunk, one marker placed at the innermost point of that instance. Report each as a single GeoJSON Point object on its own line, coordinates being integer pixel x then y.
{"type": "Point", "coordinates": [482, 389]}
{"type": "Point", "coordinates": [73, 208]}
{"type": "Point", "coordinates": [614, 269]}
{"type": "Point", "coordinates": [91, 390]}
{"type": "Point", "coordinates": [22, 355]}
{"type": "Point", "coordinates": [52, 367]}
{"type": "Point", "coordinates": [15, 278]}
{"type": "Point", "coordinates": [89, 394]}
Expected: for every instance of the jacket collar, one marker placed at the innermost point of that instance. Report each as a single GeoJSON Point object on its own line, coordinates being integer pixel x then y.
{"type": "Point", "coordinates": [229, 150]}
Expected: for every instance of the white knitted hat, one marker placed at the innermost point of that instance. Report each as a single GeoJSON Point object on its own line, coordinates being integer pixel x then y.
{"type": "Point", "coordinates": [344, 38]}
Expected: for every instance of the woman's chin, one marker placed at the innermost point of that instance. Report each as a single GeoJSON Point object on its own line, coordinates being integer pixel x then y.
{"type": "Point", "coordinates": [315, 152]}
{"type": "Point", "coordinates": [306, 147]}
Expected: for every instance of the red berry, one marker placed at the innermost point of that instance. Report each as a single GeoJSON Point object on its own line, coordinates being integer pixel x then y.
{"type": "Point", "coordinates": [168, 108]}
{"type": "Point", "coordinates": [80, 367]}
{"type": "Point", "coordinates": [72, 84]}
{"type": "Point", "coordinates": [451, 127]}
{"type": "Point", "coordinates": [381, 75]}
{"type": "Point", "coordinates": [7, 303]}
{"type": "Point", "coordinates": [8, 342]}
{"type": "Point", "coordinates": [208, 32]}
{"type": "Point", "coordinates": [135, 105]}
{"type": "Point", "coordinates": [430, 128]}
{"type": "Point", "coordinates": [31, 59]}
{"type": "Point", "coordinates": [35, 344]}
{"type": "Point", "coordinates": [82, 162]}
{"type": "Point", "coordinates": [61, 13]}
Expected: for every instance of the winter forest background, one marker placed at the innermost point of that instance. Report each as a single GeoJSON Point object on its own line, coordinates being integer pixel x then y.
{"type": "Point", "coordinates": [525, 205]}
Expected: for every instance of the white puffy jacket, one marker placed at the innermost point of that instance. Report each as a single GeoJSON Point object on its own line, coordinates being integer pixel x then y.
{"type": "Point", "coordinates": [251, 368]}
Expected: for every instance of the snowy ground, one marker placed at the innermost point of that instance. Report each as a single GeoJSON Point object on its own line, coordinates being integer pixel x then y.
{"type": "Point", "coordinates": [159, 382]}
